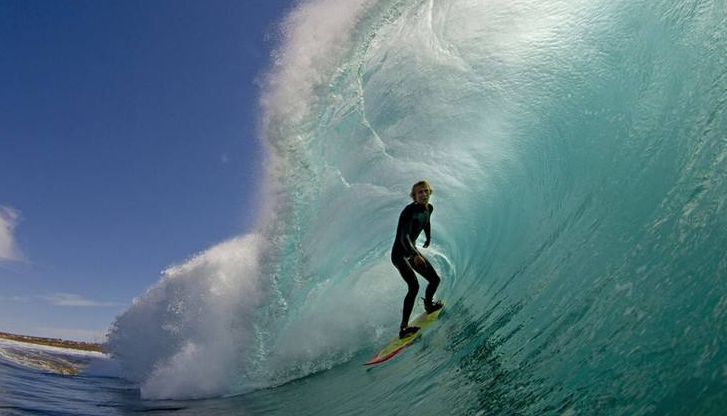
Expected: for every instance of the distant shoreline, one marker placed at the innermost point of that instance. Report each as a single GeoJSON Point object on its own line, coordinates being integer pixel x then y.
{"type": "Point", "coordinates": [54, 342]}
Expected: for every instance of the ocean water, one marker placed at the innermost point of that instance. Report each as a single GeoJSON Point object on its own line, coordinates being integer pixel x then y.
{"type": "Point", "coordinates": [577, 152]}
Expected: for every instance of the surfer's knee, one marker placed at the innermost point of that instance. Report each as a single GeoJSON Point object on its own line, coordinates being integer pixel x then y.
{"type": "Point", "coordinates": [432, 277]}
{"type": "Point", "coordinates": [413, 286]}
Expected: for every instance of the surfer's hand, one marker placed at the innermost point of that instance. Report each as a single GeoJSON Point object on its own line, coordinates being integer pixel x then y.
{"type": "Point", "coordinates": [419, 260]}
{"type": "Point", "coordinates": [426, 244]}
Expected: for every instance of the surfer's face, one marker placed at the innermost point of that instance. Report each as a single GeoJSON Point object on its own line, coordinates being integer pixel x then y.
{"type": "Point", "coordinates": [421, 195]}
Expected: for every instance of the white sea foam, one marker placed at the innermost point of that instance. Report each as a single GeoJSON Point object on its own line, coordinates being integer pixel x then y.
{"type": "Point", "coordinates": [191, 328]}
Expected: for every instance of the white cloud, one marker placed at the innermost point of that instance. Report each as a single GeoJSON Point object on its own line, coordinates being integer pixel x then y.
{"type": "Point", "coordinates": [8, 220]}
{"type": "Point", "coordinates": [73, 300]}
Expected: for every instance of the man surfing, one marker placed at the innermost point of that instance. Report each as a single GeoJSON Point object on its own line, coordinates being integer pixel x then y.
{"type": "Point", "coordinates": [412, 221]}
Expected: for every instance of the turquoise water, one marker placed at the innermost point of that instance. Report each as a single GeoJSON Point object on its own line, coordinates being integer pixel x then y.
{"type": "Point", "coordinates": [577, 153]}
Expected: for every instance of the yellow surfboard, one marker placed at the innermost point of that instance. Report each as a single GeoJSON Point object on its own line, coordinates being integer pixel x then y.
{"type": "Point", "coordinates": [397, 344]}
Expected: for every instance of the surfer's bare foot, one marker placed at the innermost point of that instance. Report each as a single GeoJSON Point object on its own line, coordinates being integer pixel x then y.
{"type": "Point", "coordinates": [407, 330]}
{"type": "Point", "coordinates": [431, 306]}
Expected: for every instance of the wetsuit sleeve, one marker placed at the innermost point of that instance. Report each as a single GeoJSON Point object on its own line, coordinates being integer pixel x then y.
{"type": "Point", "coordinates": [427, 226]}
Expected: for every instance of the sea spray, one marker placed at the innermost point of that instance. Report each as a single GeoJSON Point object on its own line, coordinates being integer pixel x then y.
{"type": "Point", "coordinates": [210, 325]}
{"type": "Point", "coordinates": [186, 335]}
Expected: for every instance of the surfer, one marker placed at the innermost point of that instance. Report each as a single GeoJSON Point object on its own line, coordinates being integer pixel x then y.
{"type": "Point", "coordinates": [412, 221]}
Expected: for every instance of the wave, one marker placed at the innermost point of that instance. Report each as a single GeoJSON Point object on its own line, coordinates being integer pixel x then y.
{"type": "Point", "coordinates": [577, 154]}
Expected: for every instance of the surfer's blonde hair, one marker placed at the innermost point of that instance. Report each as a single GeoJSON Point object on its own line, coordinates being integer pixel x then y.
{"type": "Point", "coordinates": [420, 184]}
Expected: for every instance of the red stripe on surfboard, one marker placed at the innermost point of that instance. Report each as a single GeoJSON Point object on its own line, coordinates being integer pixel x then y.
{"type": "Point", "coordinates": [376, 359]}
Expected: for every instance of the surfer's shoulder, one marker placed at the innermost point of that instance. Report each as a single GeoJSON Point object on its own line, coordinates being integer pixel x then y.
{"type": "Point", "coordinates": [408, 211]}
{"type": "Point", "coordinates": [410, 207]}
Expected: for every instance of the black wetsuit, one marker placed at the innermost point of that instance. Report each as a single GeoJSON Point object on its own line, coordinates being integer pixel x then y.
{"type": "Point", "coordinates": [412, 221]}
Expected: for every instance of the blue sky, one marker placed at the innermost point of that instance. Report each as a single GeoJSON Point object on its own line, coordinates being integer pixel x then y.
{"type": "Point", "coordinates": [127, 143]}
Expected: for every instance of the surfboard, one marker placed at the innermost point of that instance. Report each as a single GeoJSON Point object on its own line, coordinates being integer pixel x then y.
{"type": "Point", "coordinates": [398, 344]}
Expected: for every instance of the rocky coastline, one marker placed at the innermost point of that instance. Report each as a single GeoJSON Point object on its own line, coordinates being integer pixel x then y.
{"type": "Point", "coordinates": [54, 342]}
